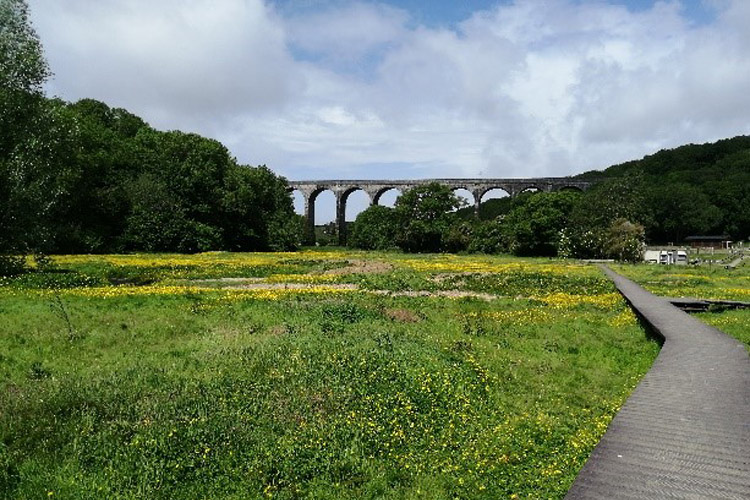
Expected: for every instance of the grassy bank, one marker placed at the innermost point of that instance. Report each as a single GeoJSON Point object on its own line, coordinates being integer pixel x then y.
{"type": "Point", "coordinates": [308, 375]}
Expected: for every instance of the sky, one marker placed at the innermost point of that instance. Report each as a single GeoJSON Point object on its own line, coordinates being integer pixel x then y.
{"type": "Point", "coordinates": [321, 89]}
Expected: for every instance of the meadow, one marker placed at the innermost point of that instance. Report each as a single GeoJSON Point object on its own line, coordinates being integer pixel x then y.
{"type": "Point", "coordinates": [712, 282]}
{"type": "Point", "coordinates": [314, 374]}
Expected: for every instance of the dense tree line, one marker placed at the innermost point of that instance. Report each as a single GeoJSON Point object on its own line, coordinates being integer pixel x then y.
{"type": "Point", "coordinates": [429, 218]}
{"type": "Point", "coordinates": [120, 185]}
{"type": "Point", "coordinates": [662, 198]}
{"type": "Point", "coordinates": [84, 177]}
{"type": "Point", "coordinates": [692, 189]}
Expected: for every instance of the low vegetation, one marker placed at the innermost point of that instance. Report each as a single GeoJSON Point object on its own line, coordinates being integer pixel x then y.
{"type": "Point", "coordinates": [308, 375]}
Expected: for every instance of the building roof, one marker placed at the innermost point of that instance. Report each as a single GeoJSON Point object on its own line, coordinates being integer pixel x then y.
{"type": "Point", "coordinates": [722, 237]}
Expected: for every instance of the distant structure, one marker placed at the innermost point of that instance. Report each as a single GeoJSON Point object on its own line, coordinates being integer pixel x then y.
{"type": "Point", "coordinates": [376, 188]}
{"type": "Point", "coordinates": [717, 241]}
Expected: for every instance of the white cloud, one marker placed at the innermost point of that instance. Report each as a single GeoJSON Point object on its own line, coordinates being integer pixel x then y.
{"type": "Point", "coordinates": [524, 89]}
{"type": "Point", "coordinates": [180, 64]}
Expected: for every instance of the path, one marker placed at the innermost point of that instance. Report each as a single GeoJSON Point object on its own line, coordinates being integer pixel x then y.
{"type": "Point", "coordinates": [736, 262]}
{"type": "Point", "coordinates": [684, 433]}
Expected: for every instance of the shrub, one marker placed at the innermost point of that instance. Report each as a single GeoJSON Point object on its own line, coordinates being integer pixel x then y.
{"type": "Point", "coordinates": [374, 229]}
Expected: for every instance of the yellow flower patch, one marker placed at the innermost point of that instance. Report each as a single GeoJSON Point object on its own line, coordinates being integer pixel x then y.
{"type": "Point", "coordinates": [563, 300]}
{"type": "Point", "coordinates": [177, 290]}
{"type": "Point", "coordinates": [300, 278]}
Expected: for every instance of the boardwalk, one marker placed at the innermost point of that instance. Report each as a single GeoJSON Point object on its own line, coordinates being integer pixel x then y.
{"type": "Point", "coordinates": [684, 433]}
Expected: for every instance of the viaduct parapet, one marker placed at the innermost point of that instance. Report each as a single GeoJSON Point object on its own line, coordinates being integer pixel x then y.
{"type": "Point", "coordinates": [376, 188]}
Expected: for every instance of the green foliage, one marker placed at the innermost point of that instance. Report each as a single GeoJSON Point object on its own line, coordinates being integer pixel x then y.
{"type": "Point", "coordinates": [30, 159]}
{"type": "Point", "coordinates": [159, 222]}
{"type": "Point", "coordinates": [374, 229]}
{"type": "Point", "coordinates": [11, 265]}
{"type": "Point", "coordinates": [533, 227]}
{"type": "Point", "coordinates": [625, 241]}
{"type": "Point", "coordinates": [424, 214]}
{"type": "Point", "coordinates": [458, 236]}
{"type": "Point", "coordinates": [99, 179]}
{"type": "Point", "coordinates": [590, 231]}
{"type": "Point", "coordinates": [258, 211]}
{"type": "Point", "coordinates": [487, 237]}
{"type": "Point", "coordinates": [488, 210]}
{"type": "Point", "coordinates": [371, 396]}
{"type": "Point", "coordinates": [692, 189]}
{"type": "Point", "coordinates": [679, 210]}
{"type": "Point", "coordinates": [22, 64]}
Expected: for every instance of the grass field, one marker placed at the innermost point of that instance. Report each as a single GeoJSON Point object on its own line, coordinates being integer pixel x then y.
{"type": "Point", "coordinates": [310, 375]}
{"type": "Point", "coordinates": [704, 282]}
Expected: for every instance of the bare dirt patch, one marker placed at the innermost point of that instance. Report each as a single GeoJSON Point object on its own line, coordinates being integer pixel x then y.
{"type": "Point", "coordinates": [402, 315]}
{"type": "Point", "coordinates": [294, 286]}
{"type": "Point", "coordinates": [453, 294]}
{"type": "Point", "coordinates": [226, 281]}
{"type": "Point", "coordinates": [277, 330]}
{"type": "Point", "coordinates": [362, 267]}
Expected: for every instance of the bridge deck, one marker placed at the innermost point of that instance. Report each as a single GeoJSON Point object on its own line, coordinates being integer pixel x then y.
{"type": "Point", "coordinates": [685, 431]}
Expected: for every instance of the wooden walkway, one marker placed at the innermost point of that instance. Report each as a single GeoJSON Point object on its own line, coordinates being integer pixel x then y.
{"type": "Point", "coordinates": [684, 433]}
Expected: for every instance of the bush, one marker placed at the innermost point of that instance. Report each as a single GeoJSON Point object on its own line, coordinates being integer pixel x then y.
{"type": "Point", "coordinates": [487, 237]}
{"type": "Point", "coordinates": [458, 236]}
{"type": "Point", "coordinates": [533, 227]}
{"type": "Point", "coordinates": [424, 215]}
{"type": "Point", "coordinates": [625, 241]}
{"type": "Point", "coordinates": [11, 265]}
{"type": "Point", "coordinates": [286, 232]}
{"type": "Point", "coordinates": [374, 229]}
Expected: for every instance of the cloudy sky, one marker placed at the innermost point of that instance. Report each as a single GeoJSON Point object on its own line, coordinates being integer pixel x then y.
{"type": "Point", "coordinates": [413, 89]}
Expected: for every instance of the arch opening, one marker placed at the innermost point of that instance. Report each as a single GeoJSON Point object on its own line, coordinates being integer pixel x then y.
{"type": "Point", "coordinates": [494, 203]}
{"type": "Point", "coordinates": [322, 204]}
{"type": "Point", "coordinates": [465, 195]}
{"type": "Point", "coordinates": [387, 197]}
{"type": "Point", "coordinates": [355, 200]}
{"type": "Point", "coordinates": [529, 189]}
{"type": "Point", "coordinates": [494, 194]}
{"type": "Point", "coordinates": [298, 200]}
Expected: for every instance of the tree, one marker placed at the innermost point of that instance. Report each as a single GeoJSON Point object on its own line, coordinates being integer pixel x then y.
{"type": "Point", "coordinates": [423, 216]}
{"type": "Point", "coordinates": [104, 162]}
{"type": "Point", "coordinates": [533, 227]}
{"type": "Point", "coordinates": [625, 241]}
{"type": "Point", "coordinates": [28, 188]}
{"type": "Point", "coordinates": [258, 211]}
{"type": "Point", "coordinates": [159, 222]}
{"type": "Point", "coordinates": [487, 237]}
{"type": "Point", "coordinates": [374, 229]}
{"type": "Point", "coordinates": [586, 233]}
{"type": "Point", "coordinates": [679, 210]}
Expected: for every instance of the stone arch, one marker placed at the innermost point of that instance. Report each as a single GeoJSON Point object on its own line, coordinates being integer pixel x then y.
{"type": "Point", "coordinates": [568, 187]}
{"type": "Point", "coordinates": [466, 193]}
{"type": "Point", "coordinates": [495, 193]}
{"type": "Point", "coordinates": [529, 188]}
{"type": "Point", "coordinates": [299, 200]}
{"type": "Point", "coordinates": [505, 189]}
{"type": "Point", "coordinates": [382, 191]}
{"type": "Point", "coordinates": [312, 197]}
{"type": "Point", "coordinates": [341, 201]}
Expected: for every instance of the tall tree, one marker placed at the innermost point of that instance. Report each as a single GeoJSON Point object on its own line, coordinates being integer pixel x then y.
{"type": "Point", "coordinates": [533, 226]}
{"type": "Point", "coordinates": [424, 215]}
{"type": "Point", "coordinates": [28, 186]}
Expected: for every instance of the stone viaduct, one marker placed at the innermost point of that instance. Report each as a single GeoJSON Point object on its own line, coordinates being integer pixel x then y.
{"type": "Point", "coordinates": [376, 188]}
